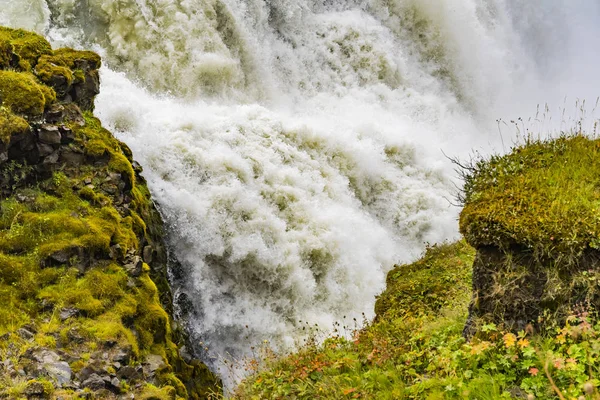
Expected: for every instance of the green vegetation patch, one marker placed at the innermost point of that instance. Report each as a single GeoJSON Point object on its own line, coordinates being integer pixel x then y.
{"type": "Point", "coordinates": [26, 46]}
{"type": "Point", "coordinates": [422, 354]}
{"type": "Point", "coordinates": [100, 143]}
{"type": "Point", "coordinates": [10, 125]}
{"type": "Point", "coordinates": [544, 196]}
{"type": "Point", "coordinates": [428, 285]}
{"type": "Point", "coordinates": [22, 94]}
{"type": "Point", "coordinates": [66, 63]}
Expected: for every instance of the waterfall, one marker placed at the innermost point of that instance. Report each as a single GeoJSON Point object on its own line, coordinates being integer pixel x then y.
{"type": "Point", "coordinates": [297, 148]}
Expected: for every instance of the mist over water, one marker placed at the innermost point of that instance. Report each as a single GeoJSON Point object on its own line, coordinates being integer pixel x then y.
{"type": "Point", "coordinates": [296, 148]}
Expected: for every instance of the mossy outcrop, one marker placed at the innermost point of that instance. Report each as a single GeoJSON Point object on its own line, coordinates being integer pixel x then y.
{"type": "Point", "coordinates": [438, 280]}
{"type": "Point", "coordinates": [534, 217]}
{"type": "Point", "coordinates": [86, 306]}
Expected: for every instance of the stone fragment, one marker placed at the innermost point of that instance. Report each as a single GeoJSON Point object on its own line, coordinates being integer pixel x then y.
{"type": "Point", "coordinates": [66, 135]}
{"type": "Point", "coordinates": [25, 334]}
{"type": "Point", "coordinates": [94, 382]}
{"type": "Point", "coordinates": [86, 372]}
{"type": "Point", "coordinates": [148, 254]}
{"type": "Point", "coordinates": [67, 313]}
{"type": "Point", "coordinates": [52, 158]}
{"type": "Point", "coordinates": [59, 372]}
{"type": "Point", "coordinates": [35, 390]}
{"type": "Point", "coordinates": [49, 134]}
{"type": "Point", "coordinates": [27, 142]}
{"type": "Point", "coordinates": [134, 268]}
{"type": "Point", "coordinates": [110, 188]}
{"type": "Point", "coordinates": [44, 149]}
{"type": "Point", "coordinates": [63, 256]}
{"type": "Point", "coordinates": [115, 382]}
{"type": "Point", "coordinates": [45, 356]}
{"type": "Point", "coordinates": [73, 114]}
{"type": "Point", "coordinates": [55, 114]}
{"type": "Point", "coordinates": [72, 158]}
{"type": "Point", "coordinates": [129, 373]}
{"type": "Point", "coordinates": [74, 336]}
{"type": "Point", "coordinates": [152, 363]}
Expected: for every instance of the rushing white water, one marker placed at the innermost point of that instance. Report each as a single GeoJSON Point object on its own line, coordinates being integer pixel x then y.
{"type": "Point", "coordinates": [295, 147]}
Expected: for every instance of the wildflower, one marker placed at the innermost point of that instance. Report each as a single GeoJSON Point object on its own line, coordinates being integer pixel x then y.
{"type": "Point", "coordinates": [523, 343]}
{"type": "Point", "coordinates": [509, 340]}
{"type": "Point", "coordinates": [559, 363]}
{"type": "Point", "coordinates": [533, 371]}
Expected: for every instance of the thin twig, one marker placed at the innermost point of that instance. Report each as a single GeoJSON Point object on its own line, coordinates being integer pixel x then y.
{"type": "Point", "coordinates": [554, 387]}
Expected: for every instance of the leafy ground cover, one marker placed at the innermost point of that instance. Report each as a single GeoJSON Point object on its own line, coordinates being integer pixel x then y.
{"type": "Point", "coordinates": [415, 349]}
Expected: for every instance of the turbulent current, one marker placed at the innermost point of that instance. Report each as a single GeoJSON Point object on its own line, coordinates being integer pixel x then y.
{"type": "Point", "coordinates": [296, 148]}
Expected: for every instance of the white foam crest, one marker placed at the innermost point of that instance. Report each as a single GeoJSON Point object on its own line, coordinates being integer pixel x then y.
{"type": "Point", "coordinates": [32, 15]}
{"type": "Point", "coordinates": [282, 217]}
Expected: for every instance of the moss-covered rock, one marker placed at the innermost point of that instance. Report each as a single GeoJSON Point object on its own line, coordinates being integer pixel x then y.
{"type": "Point", "coordinates": [83, 269]}
{"type": "Point", "coordinates": [21, 49]}
{"type": "Point", "coordinates": [437, 280]}
{"type": "Point", "coordinates": [534, 217]}
{"type": "Point", "coordinates": [20, 93]}
{"type": "Point", "coordinates": [71, 73]}
{"type": "Point", "coordinates": [10, 125]}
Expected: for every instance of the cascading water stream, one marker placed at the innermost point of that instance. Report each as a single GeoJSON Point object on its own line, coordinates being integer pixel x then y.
{"type": "Point", "coordinates": [295, 147]}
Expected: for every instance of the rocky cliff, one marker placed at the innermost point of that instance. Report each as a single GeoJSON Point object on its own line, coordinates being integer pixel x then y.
{"type": "Point", "coordinates": [85, 302]}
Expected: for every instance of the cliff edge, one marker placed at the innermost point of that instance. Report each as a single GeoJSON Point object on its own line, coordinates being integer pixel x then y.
{"type": "Point", "coordinates": [86, 306]}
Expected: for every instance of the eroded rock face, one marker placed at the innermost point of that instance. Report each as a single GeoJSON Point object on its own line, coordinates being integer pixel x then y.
{"type": "Point", "coordinates": [82, 260]}
{"type": "Point", "coordinates": [532, 216]}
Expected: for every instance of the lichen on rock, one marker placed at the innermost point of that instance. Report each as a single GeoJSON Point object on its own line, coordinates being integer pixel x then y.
{"type": "Point", "coordinates": [83, 269]}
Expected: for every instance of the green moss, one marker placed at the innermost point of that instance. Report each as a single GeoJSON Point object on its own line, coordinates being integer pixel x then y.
{"type": "Point", "coordinates": [543, 195]}
{"type": "Point", "coordinates": [7, 56]}
{"type": "Point", "coordinates": [109, 327]}
{"type": "Point", "coordinates": [42, 386]}
{"type": "Point", "coordinates": [96, 198]}
{"type": "Point", "coordinates": [66, 64]}
{"type": "Point", "coordinates": [120, 163]}
{"type": "Point", "coordinates": [440, 279]}
{"type": "Point", "coordinates": [10, 125]}
{"type": "Point", "coordinates": [169, 379]}
{"type": "Point", "coordinates": [151, 392]}
{"type": "Point", "coordinates": [153, 322]}
{"type": "Point", "coordinates": [49, 94]}
{"type": "Point", "coordinates": [20, 92]}
{"type": "Point", "coordinates": [47, 69]}
{"type": "Point", "coordinates": [100, 143]}
{"type": "Point", "coordinates": [26, 45]}
{"type": "Point", "coordinates": [71, 59]}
